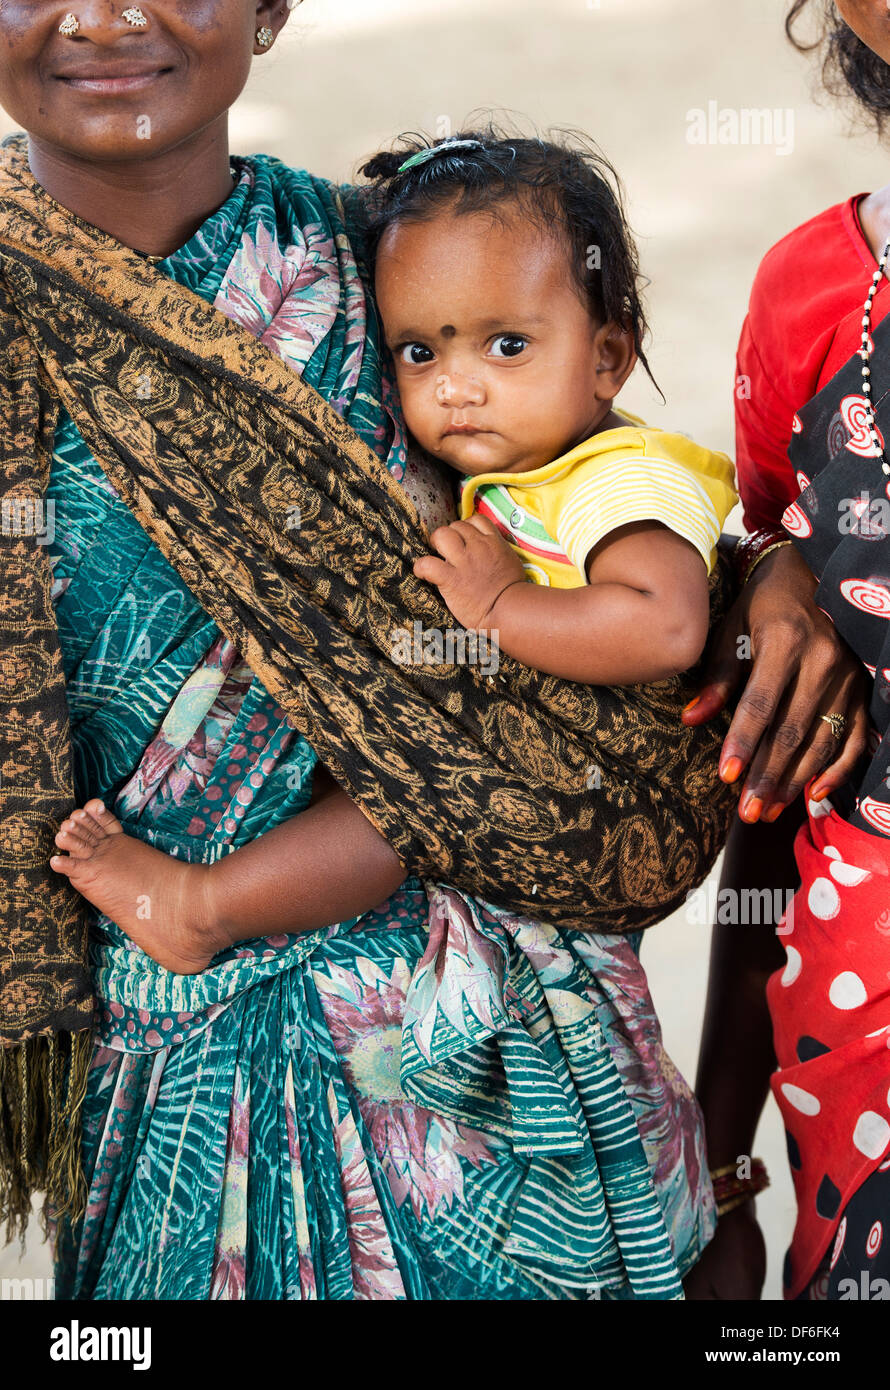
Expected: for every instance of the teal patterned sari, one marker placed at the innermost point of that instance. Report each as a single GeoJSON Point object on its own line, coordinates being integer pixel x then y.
{"type": "Point", "coordinates": [437, 1100]}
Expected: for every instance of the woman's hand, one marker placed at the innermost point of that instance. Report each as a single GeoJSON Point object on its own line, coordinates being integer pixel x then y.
{"type": "Point", "coordinates": [733, 1266]}
{"type": "Point", "coordinates": [798, 668]}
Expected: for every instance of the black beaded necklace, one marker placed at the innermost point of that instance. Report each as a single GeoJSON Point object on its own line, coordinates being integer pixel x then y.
{"type": "Point", "coordinates": [865, 353]}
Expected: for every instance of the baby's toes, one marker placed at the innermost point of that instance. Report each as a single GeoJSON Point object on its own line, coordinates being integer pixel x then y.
{"type": "Point", "coordinates": [64, 863]}
{"type": "Point", "coordinates": [88, 829]}
{"type": "Point", "coordinates": [71, 838]}
{"type": "Point", "coordinates": [105, 819]}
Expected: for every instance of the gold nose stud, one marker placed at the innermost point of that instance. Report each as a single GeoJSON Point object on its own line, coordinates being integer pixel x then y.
{"type": "Point", "coordinates": [135, 17]}
{"type": "Point", "coordinates": [70, 25]}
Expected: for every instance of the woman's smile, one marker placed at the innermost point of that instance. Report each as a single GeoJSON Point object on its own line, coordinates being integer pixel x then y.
{"type": "Point", "coordinates": [112, 79]}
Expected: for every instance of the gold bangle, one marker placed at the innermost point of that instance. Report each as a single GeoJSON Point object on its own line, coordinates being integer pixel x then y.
{"type": "Point", "coordinates": [732, 1202]}
{"type": "Point", "coordinates": [724, 1171]}
{"type": "Point", "coordinates": [776, 545]}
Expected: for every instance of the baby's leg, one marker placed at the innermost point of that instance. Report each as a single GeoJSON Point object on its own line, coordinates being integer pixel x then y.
{"type": "Point", "coordinates": [160, 902]}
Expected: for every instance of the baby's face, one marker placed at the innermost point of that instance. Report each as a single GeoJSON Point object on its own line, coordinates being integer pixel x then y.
{"type": "Point", "coordinates": [500, 364]}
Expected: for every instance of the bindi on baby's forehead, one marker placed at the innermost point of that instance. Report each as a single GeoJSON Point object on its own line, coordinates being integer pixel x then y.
{"type": "Point", "coordinates": [448, 330]}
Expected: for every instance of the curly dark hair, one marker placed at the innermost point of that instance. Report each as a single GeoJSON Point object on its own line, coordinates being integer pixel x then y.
{"type": "Point", "coordinates": [848, 65]}
{"type": "Point", "coordinates": [563, 181]}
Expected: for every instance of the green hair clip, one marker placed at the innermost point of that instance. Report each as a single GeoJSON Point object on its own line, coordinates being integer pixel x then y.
{"type": "Point", "coordinates": [443, 147]}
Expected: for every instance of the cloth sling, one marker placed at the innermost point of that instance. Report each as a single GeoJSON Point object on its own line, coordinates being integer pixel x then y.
{"type": "Point", "coordinates": [593, 807]}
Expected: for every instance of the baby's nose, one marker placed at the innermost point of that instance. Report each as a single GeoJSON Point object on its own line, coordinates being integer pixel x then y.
{"type": "Point", "coordinates": [457, 390]}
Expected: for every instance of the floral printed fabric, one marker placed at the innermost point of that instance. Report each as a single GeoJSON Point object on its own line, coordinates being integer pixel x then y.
{"type": "Point", "coordinates": [439, 1100]}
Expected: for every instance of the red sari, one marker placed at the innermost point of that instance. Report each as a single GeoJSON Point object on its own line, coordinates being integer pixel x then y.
{"type": "Point", "coordinates": [803, 324]}
{"type": "Point", "coordinates": [831, 1004]}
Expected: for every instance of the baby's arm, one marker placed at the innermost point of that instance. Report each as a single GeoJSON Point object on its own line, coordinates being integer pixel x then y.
{"type": "Point", "coordinates": [322, 866]}
{"type": "Point", "coordinates": [642, 617]}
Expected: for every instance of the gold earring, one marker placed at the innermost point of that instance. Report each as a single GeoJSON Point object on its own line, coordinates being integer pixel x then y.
{"type": "Point", "coordinates": [134, 16]}
{"type": "Point", "coordinates": [264, 36]}
{"type": "Point", "coordinates": [70, 25]}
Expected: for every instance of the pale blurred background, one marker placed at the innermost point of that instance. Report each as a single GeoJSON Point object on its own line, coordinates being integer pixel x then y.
{"type": "Point", "coordinates": [348, 75]}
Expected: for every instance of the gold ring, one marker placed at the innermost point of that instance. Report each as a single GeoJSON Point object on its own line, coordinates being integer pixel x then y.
{"type": "Point", "coordinates": [838, 724]}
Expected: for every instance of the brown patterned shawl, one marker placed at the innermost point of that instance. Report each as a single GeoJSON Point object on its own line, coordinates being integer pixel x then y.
{"type": "Point", "coordinates": [592, 807]}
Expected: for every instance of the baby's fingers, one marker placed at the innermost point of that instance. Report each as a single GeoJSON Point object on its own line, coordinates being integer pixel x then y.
{"type": "Point", "coordinates": [482, 523]}
{"type": "Point", "coordinates": [451, 541]}
{"type": "Point", "coordinates": [433, 570]}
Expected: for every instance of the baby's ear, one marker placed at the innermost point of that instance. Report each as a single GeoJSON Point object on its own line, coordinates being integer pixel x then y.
{"type": "Point", "coordinates": [616, 358]}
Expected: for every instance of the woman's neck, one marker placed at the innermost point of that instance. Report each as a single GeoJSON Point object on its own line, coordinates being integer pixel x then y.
{"type": "Point", "coordinates": [153, 204]}
{"type": "Point", "coordinates": [874, 219]}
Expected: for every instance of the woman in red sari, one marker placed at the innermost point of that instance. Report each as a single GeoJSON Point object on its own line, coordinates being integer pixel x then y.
{"type": "Point", "coordinates": [811, 376]}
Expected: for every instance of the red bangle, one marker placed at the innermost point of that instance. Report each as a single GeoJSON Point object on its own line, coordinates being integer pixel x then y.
{"type": "Point", "coordinates": [749, 548]}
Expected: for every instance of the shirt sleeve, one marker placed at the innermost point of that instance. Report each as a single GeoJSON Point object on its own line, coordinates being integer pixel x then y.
{"type": "Point", "coordinates": [763, 420]}
{"type": "Point", "coordinates": [640, 487]}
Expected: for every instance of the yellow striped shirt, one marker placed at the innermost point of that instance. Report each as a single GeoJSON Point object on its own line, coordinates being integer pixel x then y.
{"type": "Point", "coordinates": [555, 515]}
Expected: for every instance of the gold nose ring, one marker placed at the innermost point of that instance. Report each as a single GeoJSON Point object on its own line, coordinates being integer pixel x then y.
{"type": "Point", "coordinates": [70, 25]}
{"type": "Point", "coordinates": [134, 16]}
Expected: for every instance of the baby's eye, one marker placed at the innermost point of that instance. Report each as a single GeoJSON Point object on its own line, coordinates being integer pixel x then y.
{"type": "Point", "coordinates": [415, 354]}
{"type": "Point", "coordinates": [508, 345]}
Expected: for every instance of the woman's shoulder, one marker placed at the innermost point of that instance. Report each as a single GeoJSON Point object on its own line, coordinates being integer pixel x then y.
{"type": "Point", "coordinates": [828, 249]}
{"type": "Point", "coordinates": [814, 267]}
{"type": "Point", "coordinates": [301, 193]}
{"type": "Point", "coordinates": [806, 285]}
{"type": "Point", "coordinates": [283, 173]}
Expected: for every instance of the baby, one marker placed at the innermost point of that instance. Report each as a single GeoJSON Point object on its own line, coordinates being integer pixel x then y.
{"type": "Point", "coordinates": [507, 285]}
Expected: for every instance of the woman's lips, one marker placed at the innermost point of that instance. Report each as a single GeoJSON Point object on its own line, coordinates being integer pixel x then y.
{"type": "Point", "coordinates": [113, 84]}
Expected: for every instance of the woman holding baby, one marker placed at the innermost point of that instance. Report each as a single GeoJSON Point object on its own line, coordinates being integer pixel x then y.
{"type": "Point", "coordinates": [362, 938]}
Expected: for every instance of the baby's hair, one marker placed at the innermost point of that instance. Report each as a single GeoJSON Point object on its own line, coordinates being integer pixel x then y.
{"type": "Point", "coordinates": [564, 180]}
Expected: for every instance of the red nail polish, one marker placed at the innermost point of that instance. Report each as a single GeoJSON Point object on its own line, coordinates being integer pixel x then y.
{"type": "Point", "coordinates": [773, 812]}
{"type": "Point", "coordinates": [731, 769]}
{"type": "Point", "coordinates": [752, 809]}
{"type": "Point", "coordinates": [692, 704]}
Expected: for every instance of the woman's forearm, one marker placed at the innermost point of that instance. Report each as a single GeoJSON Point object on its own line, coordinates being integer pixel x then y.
{"type": "Point", "coordinates": [323, 866]}
{"type": "Point", "coordinates": [736, 1057]}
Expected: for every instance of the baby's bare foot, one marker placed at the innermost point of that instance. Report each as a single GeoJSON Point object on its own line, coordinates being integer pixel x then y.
{"type": "Point", "coordinates": [159, 901]}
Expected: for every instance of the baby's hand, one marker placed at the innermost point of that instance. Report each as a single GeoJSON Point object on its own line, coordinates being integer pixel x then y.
{"type": "Point", "coordinates": [475, 568]}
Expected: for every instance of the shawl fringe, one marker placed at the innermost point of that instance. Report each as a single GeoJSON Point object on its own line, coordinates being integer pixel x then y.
{"type": "Point", "coordinates": [43, 1083]}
